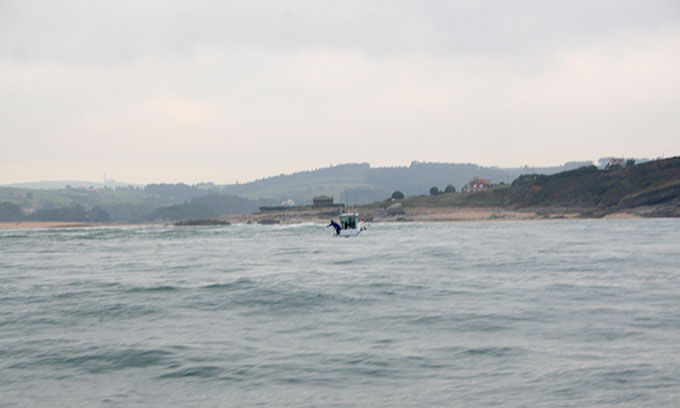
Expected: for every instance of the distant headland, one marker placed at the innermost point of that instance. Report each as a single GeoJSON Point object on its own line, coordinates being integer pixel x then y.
{"type": "Point", "coordinates": [619, 188]}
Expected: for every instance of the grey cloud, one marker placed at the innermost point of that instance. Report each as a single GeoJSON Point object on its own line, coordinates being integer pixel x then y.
{"type": "Point", "coordinates": [118, 32]}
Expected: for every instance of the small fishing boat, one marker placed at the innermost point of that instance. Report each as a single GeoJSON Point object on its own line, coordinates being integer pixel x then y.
{"type": "Point", "coordinates": [350, 225]}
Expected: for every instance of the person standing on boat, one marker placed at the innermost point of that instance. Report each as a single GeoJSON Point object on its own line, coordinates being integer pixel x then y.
{"type": "Point", "coordinates": [336, 226]}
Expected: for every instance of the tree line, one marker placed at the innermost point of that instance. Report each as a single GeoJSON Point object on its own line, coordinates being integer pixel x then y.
{"type": "Point", "coordinates": [434, 190]}
{"type": "Point", "coordinates": [10, 212]}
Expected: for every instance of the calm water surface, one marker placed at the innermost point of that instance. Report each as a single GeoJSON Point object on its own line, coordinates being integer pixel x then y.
{"type": "Point", "coordinates": [550, 314]}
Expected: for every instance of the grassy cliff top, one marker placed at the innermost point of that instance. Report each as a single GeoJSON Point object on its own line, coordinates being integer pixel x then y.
{"type": "Point", "coordinates": [649, 183]}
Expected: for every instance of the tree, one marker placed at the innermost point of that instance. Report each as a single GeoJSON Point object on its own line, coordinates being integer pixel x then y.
{"type": "Point", "coordinates": [450, 189]}
{"type": "Point", "coordinates": [10, 212]}
{"type": "Point", "coordinates": [434, 191]}
{"type": "Point", "coordinates": [75, 212]}
{"type": "Point", "coordinates": [98, 214]}
{"type": "Point", "coordinates": [630, 162]}
{"type": "Point", "coordinates": [182, 212]}
{"type": "Point", "coordinates": [397, 195]}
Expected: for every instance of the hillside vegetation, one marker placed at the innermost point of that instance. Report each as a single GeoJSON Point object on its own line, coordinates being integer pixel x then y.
{"type": "Point", "coordinates": [361, 184]}
{"type": "Point", "coordinates": [155, 202]}
{"type": "Point", "coordinates": [655, 183]}
{"type": "Point", "coordinates": [591, 191]}
{"type": "Point", "coordinates": [651, 183]}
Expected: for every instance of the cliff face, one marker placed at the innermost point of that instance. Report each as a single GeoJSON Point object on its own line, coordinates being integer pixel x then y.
{"type": "Point", "coordinates": [647, 189]}
{"type": "Point", "coordinates": [652, 196]}
{"type": "Point", "coordinates": [652, 183]}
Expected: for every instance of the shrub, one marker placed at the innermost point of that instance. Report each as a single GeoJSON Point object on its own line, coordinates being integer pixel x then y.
{"type": "Point", "coordinates": [10, 212]}
{"type": "Point", "coordinates": [397, 195]}
{"type": "Point", "coordinates": [98, 214]}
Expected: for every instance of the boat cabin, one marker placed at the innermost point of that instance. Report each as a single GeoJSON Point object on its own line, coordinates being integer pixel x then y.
{"type": "Point", "coordinates": [350, 225]}
{"type": "Point", "coordinates": [348, 221]}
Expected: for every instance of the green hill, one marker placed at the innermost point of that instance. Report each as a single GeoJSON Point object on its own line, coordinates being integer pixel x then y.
{"type": "Point", "coordinates": [589, 189]}
{"type": "Point", "coordinates": [359, 183]}
{"type": "Point", "coordinates": [654, 183]}
{"type": "Point", "coordinates": [651, 183]}
{"type": "Point", "coordinates": [167, 202]}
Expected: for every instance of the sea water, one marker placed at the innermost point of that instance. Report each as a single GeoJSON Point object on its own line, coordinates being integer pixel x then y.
{"type": "Point", "coordinates": [517, 314]}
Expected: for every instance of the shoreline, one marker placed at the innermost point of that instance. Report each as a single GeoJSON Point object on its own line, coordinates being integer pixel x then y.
{"type": "Point", "coordinates": [322, 216]}
{"type": "Point", "coordinates": [424, 214]}
{"type": "Point", "coordinates": [43, 225]}
{"type": "Point", "coordinates": [20, 225]}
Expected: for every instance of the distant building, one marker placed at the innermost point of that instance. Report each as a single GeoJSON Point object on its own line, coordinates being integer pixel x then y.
{"type": "Point", "coordinates": [27, 210]}
{"type": "Point", "coordinates": [289, 202]}
{"type": "Point", "coordinates": [477, 184]}
{"type": "Point", "coordinates": [615, 163]}
{"type": "Point", "coordinates": [322, 201]}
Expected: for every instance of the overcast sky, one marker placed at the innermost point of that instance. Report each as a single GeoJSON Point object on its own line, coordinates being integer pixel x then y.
{"type": "Point", "coordinates": [170, 91]}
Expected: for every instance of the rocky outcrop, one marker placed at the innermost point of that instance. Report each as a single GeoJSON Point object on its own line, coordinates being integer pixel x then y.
{"type": "Point", "coordinates": [268, 221]}
{"type": "Point", "coordinates": [395, 209]}
{"type": "Point", "coordinates": [208, 221]}
{"type": "Point", "coordinates": [662, 194]}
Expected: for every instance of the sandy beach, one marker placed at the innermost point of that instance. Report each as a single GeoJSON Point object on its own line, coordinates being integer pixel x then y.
{"type": "Point", "coordinates": [422, 214]}
{"type": "Point", "coordinates": [323, 216]}
{"type": "Point", "coordinates": [43, 224]}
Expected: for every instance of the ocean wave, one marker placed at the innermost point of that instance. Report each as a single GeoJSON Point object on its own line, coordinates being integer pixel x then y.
{"type": "Point", "coordinates": [97, 360]}
{"type": "Point", "coordinates": [493, 351]}
{"type": "Point", "coordinates": [153, 289]}
{"type": "Point", "coordinates": [237, 284]}
{"type": "Point", "coordinates": [199, 371]}
{"type": "Point", "coordinates": [249, 315]}
{"type": "Point", "coordinates": [255, 295]}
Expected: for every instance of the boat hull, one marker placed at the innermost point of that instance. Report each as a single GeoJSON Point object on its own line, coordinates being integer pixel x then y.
{"type": "Point", "coordinates": [351, 232]}
{"type": "Point", "coordinates": [350, 225]}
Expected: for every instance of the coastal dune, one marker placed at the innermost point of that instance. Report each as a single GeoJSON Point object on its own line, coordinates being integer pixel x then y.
{"type": "Point", "coordinates": [42, 224]}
